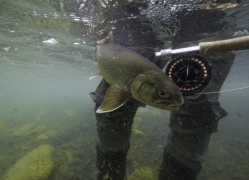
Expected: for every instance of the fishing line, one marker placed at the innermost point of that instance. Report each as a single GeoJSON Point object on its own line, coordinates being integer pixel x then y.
{"type": "Point", "coordinates": [246, 87]}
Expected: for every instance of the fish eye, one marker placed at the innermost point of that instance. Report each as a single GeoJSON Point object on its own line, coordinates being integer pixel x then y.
{"type": "Point", "coordinates": [163, 93]}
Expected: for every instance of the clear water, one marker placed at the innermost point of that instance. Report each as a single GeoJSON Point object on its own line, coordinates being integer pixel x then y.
{"type": "Point", "coordinates": [44, 97]}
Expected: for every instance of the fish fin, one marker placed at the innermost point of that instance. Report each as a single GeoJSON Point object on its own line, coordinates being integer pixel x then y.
{"type": "Point", "coordinates": [94, 57]}
{"type": "Point", "coordinates": [115, 97]}
{"type": "Point", "coordinates": [94, 76]}
{"type": "Point", "coordinates": [108, 39]}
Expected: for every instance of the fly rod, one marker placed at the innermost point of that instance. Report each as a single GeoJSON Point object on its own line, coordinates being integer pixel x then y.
{"type": "Point", "coordinates": [205, 48]}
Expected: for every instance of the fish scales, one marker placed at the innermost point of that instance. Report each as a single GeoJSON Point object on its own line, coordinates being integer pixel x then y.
{"type": "Point", "coordinates": [119, 65]}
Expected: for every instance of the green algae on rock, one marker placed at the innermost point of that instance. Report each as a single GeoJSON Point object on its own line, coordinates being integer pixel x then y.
{"type": "Point", "coordinates": [142, 173]}
{"type": "Point", "coordinates": [137, 133]}
{"type": "Point", "coordinates": [36, 165]}
{"type": "Point", "coordinates": [24, 130]}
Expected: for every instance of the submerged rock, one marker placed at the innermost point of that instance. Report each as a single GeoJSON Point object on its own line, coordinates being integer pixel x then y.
{"type": "Point", "coordinates": [24, 130]}
{"type": "Point", "coordinates": [137, 133]}
{"type": "Point", "coordinates": [142, 173]}
{"type": "Point", "coordinates": [29, 129]}
{"type": "Point", "coordinates": [36, 165]}
{"type": "Point", "coordinates": [137, 122]}
{"type": "Point", "coordinates": [45, 136]}
{"type": "Point", "coordinates": [41, 137]}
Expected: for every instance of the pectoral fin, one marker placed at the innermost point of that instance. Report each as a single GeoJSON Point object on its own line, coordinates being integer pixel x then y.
{"type": "Point", "coordinates": [115, 97]}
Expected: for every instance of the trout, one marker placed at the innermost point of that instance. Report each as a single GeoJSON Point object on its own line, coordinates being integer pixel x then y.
{"type": "Point", "coordinates": [130, 75]}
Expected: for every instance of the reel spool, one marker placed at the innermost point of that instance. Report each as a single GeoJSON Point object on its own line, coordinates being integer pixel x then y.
{"type": "Point", "coordinates": [190, 73]}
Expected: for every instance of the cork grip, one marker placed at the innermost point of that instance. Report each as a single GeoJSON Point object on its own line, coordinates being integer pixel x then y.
{"type": "Point", "coordinates": [240, 43]}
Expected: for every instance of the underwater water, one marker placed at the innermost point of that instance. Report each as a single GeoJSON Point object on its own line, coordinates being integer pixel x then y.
{"type": "Point", "coordinates": [45, 62]}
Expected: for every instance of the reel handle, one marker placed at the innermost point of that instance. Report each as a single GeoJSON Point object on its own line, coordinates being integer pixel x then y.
{"type": "Point", "coordinates": [234, 44]}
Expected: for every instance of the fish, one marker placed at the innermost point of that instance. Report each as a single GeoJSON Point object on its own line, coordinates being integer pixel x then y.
{"type": "Point", "coordinates": [131, 75]}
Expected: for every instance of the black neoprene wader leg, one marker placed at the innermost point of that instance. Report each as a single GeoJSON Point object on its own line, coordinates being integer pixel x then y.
{"type": "Point", "coordinates": [111, 166]}
{"type": "Point", "coordinates": [114, 131]}
{"type": "Point", "coordinates": [192, 125]}
{"type": "Point", "coordinates": [171, 169]}
{"type": "Point", "coordinates": [183, 156]}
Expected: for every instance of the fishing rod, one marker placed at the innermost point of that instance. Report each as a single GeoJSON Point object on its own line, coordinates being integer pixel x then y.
{"type": "Point", "coordinates": [205, 48]}
{"type": "Point", "coordinates": [191, 72]}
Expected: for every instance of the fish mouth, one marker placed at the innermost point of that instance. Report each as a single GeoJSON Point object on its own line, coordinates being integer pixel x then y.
{"type": "Point", "coordinates": [163, 102]}
{"type": "Point", "coordinates": [169, 105]}
{"type": "Point", "coordinates": [173, 108]}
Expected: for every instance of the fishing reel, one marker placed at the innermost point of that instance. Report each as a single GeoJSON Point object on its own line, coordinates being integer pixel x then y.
{"type": "Point", "coordinates": [190, 73]}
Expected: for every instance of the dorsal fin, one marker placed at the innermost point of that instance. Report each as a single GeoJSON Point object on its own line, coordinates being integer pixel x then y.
{"type": "Point", "coordinates": [108, 39]}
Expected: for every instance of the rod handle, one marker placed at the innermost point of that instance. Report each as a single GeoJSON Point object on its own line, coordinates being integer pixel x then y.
{"type": "Point", "coordinates": [240, 43]}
